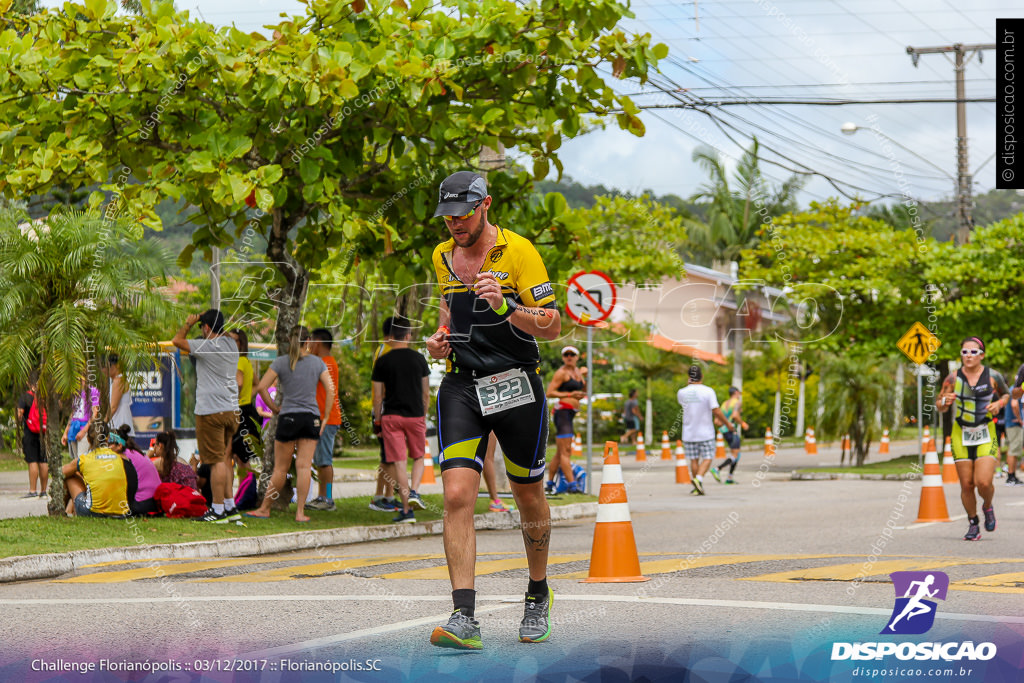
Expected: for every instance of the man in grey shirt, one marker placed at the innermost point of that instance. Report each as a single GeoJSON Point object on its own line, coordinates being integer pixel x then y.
{"type": "Point", "coordinates": [216, 358]}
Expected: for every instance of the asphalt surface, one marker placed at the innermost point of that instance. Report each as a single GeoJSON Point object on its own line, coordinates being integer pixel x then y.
{"type": "Point", "coordinates": [758, 578]}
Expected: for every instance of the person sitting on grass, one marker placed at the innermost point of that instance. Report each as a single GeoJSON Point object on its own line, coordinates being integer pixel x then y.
{"type": "Point", "coordinates": [165, 450]}
{"type": "Point", "coordinates": [146, 476]}
{"type": "Point", "coordinates": [96, 482]}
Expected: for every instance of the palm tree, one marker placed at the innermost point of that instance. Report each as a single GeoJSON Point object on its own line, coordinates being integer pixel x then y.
{"type": "Point", "coordinates": [856, 387]}
{"type": "Point", "coordinates": [735, 216]}
{"type": "Point", "coordinates": [74, 287]}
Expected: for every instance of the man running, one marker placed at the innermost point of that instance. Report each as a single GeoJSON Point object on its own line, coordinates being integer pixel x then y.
{"type": "Point", "coordinates": [731, 410]}
{"type": "Point", "coordinates": [978, 393]}
{"type": "Point", "coordinates": [700, 408]}
{"type": "Point", "coordinates": [631, 418]}
{"type": "Point", "coordinates": [495, 300]}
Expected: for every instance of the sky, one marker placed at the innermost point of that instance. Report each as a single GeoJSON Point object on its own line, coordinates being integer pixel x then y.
{"type": "Point", "coordinates": [784, 49]}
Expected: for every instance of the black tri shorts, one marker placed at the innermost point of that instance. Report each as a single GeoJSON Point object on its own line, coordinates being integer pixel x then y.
{"type": "Point", "coordinates": [522, 430]}
{"type": "Point", "coordinates": [295, 426]}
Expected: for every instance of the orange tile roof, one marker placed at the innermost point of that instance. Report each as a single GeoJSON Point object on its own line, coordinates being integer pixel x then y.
{"type": "Point", "coordinates": [666, 344]}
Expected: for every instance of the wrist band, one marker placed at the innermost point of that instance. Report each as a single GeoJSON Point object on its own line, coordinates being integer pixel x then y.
{"type": "Point", "coordinates": [504, 308]}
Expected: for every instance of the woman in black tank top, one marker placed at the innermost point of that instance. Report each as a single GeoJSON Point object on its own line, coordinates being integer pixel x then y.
{"type": "Point", "coordinates": [568, 387]}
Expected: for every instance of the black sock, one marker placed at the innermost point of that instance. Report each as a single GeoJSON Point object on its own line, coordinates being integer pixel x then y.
{"type": "Point", "coordinates": [728, 461]}
{"type": "Point", "coordinates": [538, 587]}
{"type": "Point", "coordinates": [465, 600]}
{"type": "Point", "coordinates": [973, 520]}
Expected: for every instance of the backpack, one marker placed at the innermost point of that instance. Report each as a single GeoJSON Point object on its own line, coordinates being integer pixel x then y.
{"type": "Point", "coordinates": [246, 498]}
{"type": "Point", "coordinates": [176, 500]}
{"type": "Point", "coordinates": [33, 421]}
{"type": "Point", "coordinates": [578, 473]}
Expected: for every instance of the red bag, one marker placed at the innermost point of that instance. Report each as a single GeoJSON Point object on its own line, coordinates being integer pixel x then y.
{"type": "Point", "coordinates": [33, 422]}
{"type": "Point", "coordinates": [179, 501]}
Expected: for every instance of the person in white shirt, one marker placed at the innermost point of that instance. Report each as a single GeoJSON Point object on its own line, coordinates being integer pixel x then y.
{"type": "Point", "coordinates": [700, 410]}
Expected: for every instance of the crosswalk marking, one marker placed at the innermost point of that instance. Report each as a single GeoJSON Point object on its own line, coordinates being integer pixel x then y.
{"type": "Point", "coordinates": [317, 569]}
{"type": "Point", "coordinates": [482, 568]}
{"type": "Point", "coordinates": [857, 570]}
{"type": "Point", "coordinates": [155, 571]}
{"type": "Point", "coordinates": [1012, 582]}
{"type": "Point", "coordinates": [678, 565]}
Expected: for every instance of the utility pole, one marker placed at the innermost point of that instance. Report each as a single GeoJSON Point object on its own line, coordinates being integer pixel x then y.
{"type": "Point", "coordinates": [964, 201]}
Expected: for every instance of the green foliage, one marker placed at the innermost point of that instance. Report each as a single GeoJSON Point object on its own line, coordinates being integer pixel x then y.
{"type": "Point", "coordinates": [855, 385]}
{"type": "Point", "coordinates": [855, 281]}
{"type": "Point", "coordinates": [75, 287]}
{"type": "Point", "coordinates": [337, 125]}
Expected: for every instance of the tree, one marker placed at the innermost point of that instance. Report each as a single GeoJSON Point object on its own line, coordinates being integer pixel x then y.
{"type": "Point", "coordinates": [74, 288]}
{"type": "Point", "coordinates": [649, 361]}
{"type": "Point", "coordinates": [735, 217]}
{"type": "Point", "coordinates": [332, 132]}
{"type": "Point", "coordinates": [856, 385]}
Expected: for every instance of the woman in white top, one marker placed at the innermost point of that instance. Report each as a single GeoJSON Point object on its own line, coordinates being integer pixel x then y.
{"type": "Point", "coordinates": [120, 411]}
{"type": "Point", "coordinates": [300, 421]}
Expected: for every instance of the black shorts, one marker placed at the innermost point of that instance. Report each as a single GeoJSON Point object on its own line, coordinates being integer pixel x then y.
{"type": "Point", "coordinates": [563, 423]}
{"type": "Point", "coordinates": [733, 439]}
{"type": "Point", "coordinates": [295, 426]}
{"type": "Point", "coordinates": [462, 429]}
{"type": "Point", "coordinates": [632, 423]}
{"type": "Point", "coordinates": [245, 442]}
{"type": "Point", "coordinates": [32, 446]}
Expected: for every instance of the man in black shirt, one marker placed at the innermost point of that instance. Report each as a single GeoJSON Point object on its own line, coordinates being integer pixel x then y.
{"type": "Point", "coordinates": [401, 394]}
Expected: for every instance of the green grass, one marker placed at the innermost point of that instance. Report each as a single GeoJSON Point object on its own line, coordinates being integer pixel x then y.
{"type": "Point", "coordinates": [902, 465]}
{"type": "Point", "coordinates": [36, 535]}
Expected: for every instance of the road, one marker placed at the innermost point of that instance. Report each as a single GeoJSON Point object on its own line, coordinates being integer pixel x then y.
{"type": "Point", "coordinates": [761, 577]}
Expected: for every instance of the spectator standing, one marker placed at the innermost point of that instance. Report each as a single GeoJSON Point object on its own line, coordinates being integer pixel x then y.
{"type": "Point", "coordinates": [700, 408]}
{"type": "Point", "coordinates": [323, 457]}
{"type": "Point", "coordinates": [300, 423]}
{"type": "Point", "coordinates": [85, 409]}
{"type": "Point", "coordinates": [33, 424]}
{"type": "Point", "coordinates": [216, 359]}
{"type": "Point", "coordinates": [383, 495]}
{"type": "Point", "coordinates": [119, 396]}
{"type": "Point", "coordinates": [401, 394]}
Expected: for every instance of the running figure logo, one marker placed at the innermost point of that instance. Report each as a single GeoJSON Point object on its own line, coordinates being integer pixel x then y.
{"type": "Point", "coordinates": [913, 613]}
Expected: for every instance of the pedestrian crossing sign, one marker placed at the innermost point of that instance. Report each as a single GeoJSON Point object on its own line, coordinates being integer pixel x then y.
{"type": "Point", "coordinates": [918, 343]}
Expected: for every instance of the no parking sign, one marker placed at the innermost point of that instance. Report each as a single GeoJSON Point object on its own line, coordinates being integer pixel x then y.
{"type": "Point", "coordinates": [591, 297]}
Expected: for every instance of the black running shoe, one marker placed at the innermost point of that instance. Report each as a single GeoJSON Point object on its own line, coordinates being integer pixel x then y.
{"type": "Point", "coordinates": [973, 532]}
{"type": "Point", "coordinates": [990, 519]}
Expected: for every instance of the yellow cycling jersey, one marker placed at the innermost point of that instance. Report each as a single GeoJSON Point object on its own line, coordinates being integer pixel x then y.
{"type": "Point", "coordinates": [481, 340]}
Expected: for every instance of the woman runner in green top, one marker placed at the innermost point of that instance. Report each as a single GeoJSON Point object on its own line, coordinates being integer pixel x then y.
{"type": "Point", "coordinates": [976, 393]}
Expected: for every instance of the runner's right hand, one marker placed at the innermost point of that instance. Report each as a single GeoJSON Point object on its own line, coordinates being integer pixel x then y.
{"type": "Point", "coordinates": [437, 344]}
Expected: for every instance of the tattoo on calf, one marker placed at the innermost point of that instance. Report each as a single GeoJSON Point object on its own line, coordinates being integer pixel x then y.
{"type": "Point", "coordinates": [539, 542]}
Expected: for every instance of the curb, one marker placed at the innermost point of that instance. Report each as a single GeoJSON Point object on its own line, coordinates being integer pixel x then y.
{"type": "Point", "coordinates": [34, 567]}
{"type": "Point", "coordinates": [824, 476]}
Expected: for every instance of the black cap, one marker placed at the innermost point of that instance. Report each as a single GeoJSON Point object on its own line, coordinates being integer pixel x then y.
{"type": "Point", "coordinates": [214, 318]}
{"type": "Point", "coordinates": [459, 193]}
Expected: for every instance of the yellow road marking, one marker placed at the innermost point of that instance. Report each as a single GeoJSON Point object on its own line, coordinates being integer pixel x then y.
{"type": "Point", "coordinates": [482, 568]}
{"type": "Point", "coordinates": [856, 570]}
{"type": "Point", "coordinates": [678, 565]}
{"type": "Point", "coordinates": [156, 571]}
{"type": "Point", "coordinates": [318, 569]}
{"type": "Point", "coordinates": [1012, 582]}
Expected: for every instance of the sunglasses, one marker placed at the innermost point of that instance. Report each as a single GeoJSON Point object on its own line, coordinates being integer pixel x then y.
{"type": "Point", "coordinates": [468, 215]}
{"type": "Point", "coordinates": [971, 352]}
{"type": "Point", "coordinates": [569, 353]}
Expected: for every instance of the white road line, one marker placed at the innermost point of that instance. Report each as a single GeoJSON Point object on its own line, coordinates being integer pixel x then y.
{"type": "Point", "coordinates": [922, 525]}
{"type": "Point", "coordinates": [508, 601]}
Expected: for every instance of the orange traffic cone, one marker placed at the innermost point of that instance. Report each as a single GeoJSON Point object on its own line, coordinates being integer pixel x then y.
{"type": "Point", "coordinates": [949, 475]}
{"type": "Point", "coordinates": [719, 445]}
{"type": "Point", "coordinates": [666, 447]}
{"type": "Point", "coordinates": [682, 471]}
{"type": "Point", "coordinates": [428, 467]}
{"type": "Point", "coordinates": [883, 445]}
{"type": "Point", "coordinates": [810, 445]}
{"type": "Point", "coordinates": [577, 447]}
{"type": "Point", "coordinates": [846, 442]}
{"type": "Point", "coordinates": [927, 442]}
{"type": "Point", "coordinates": [641, 450]}
{"type": "Point", "coordinates": [769, 444]}
{"type": "Point", "coordinates": [613, 556]}
{"type": "Point", "coordinates": [933, 499]}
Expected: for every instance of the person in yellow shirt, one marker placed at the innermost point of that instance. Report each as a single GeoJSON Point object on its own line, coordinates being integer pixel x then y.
{"type": "Point", "coordinates": [97, 482]}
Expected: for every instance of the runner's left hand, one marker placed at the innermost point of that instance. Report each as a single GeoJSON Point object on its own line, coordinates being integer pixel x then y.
{"type": "Point", "coordinates": [487, 287]}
